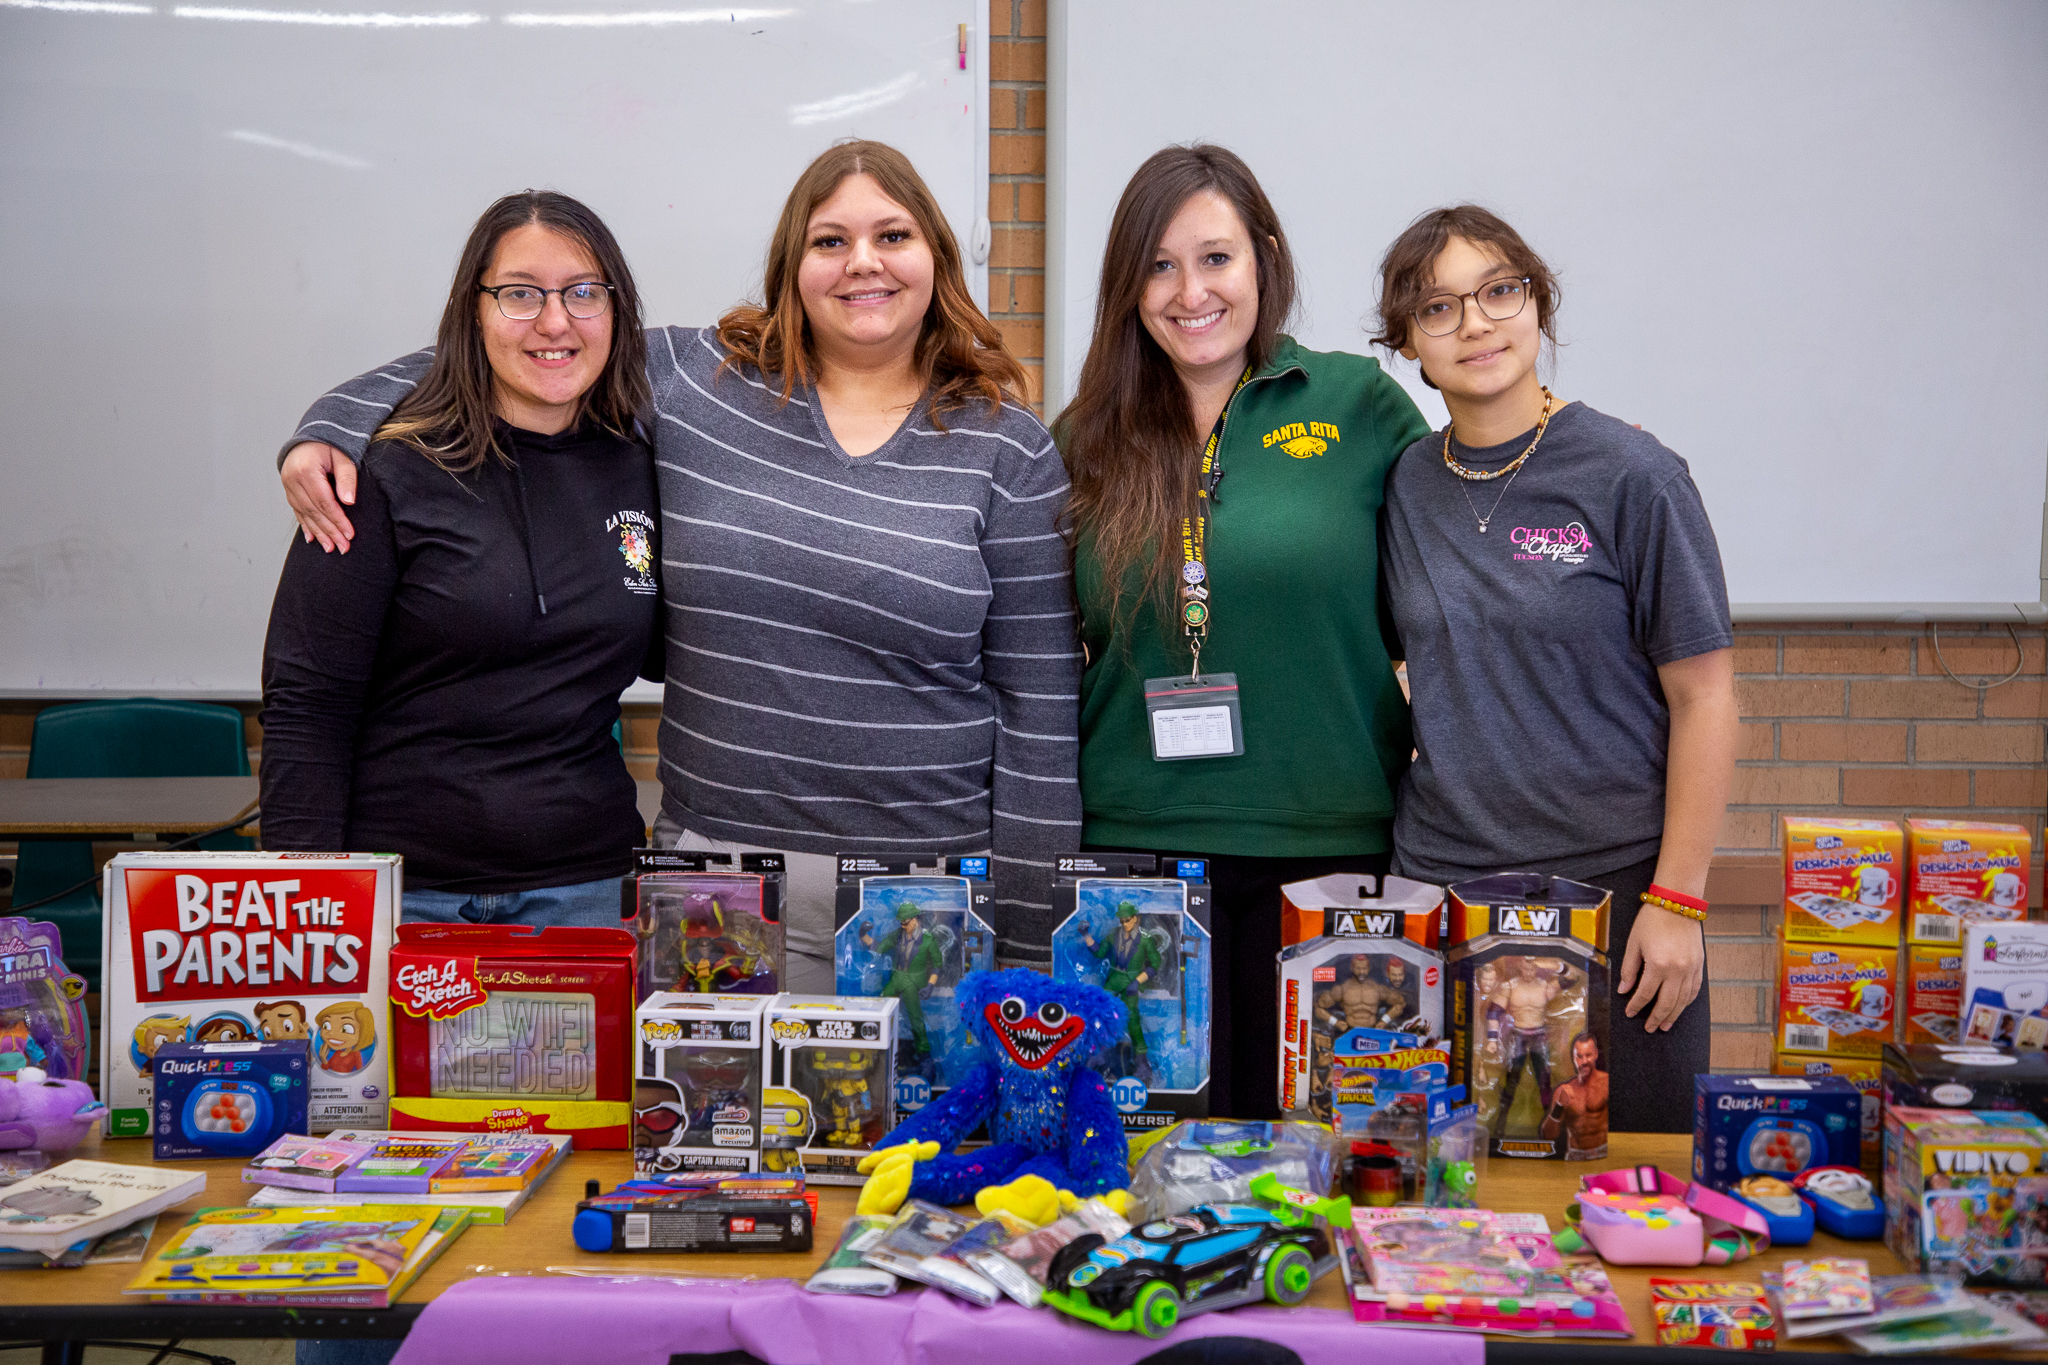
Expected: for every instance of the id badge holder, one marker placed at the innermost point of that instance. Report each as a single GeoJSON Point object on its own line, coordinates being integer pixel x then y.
{"type": "Point", "coordinates": [1194, 717]}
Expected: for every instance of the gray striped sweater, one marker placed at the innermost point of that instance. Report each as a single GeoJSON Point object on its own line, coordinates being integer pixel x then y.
{"type": "Point", "coordinates": [864, 655]}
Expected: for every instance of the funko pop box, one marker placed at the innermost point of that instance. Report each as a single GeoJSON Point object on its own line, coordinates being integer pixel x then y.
{"type": "Point", "coordinates": [1357, 952]}
{"type": "Point", "coordinates": [235, 947]}
{"type": "Point", "coordinates": [1528, 1012]}
{"type": "Point", "coordinates": [697, 1084]}
{"type": "Point", "coordinates": [911, 936]}
{"type": "Point", "coordinates": [705, 928]}
{"type": "Point", "coordinates": [839, 1054]}
{"type": "Point", "coordinates": [1845, 880]}
{"type": "Point", "coordinates": [1773, 1125]}
{"type": "Point", "coordinates": [228, 1099]}
{"type": "Point", "coordinates": [1962, 872]}
{"type": "Point", "coordinates": [1138, 927]}
{"type": "Point", "coordinates": [513, 1029]}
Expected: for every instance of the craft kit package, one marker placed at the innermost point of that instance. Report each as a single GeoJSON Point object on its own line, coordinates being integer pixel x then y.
{"type": "Point", "coordinates": [1964, 1193]}
{"type": "Point", "coordinates": [42, 1010]}
{"type": "Point", "coordinates": [1865, 1073]}
{"type": "Point", "coordinates": [1931, 993]}
{"type": "Point", "coordinates": [1772, 1125]}
{"type": "Point", "coordinates": [1919, 1076]}
{"type": "Point", "coordinates": [1845, 880]}
{"type": "Point", "coordinates": [1963, 872]}
{"type": "Point", "coordinates": [1528, 1012]}
{"type": "Point", "coordinates": [839, 1054]}
{"type": "Point", "coordinates": [1356, 952]}
{"type": "Point", "coordinates": [1836, 998]}
{"type": "Point", "coordinates": [911, 937]}
{"type": "Point", "coordinates": [703, 929]}
{"type": "Point", "coordinates": [229, 1099]}
{"type": "Point", "coordinates": [235, 947]}
{"type": "Point", "coordinates": [508, 1028]}
{"type": "Point", "coordinates": [1140, 930]}
{"type": "Point", "coordinates": [2005, 985]}
{"type": "Point", "coordinates": [697, 1083]}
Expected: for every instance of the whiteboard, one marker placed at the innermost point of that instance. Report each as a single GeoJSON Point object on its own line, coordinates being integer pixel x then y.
{"type": "Point", "coordinates": [213, 212]}
{"type": "Point", "coordinates": [1859, 376]}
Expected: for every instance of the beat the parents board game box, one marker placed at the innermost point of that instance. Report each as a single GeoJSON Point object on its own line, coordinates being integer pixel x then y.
{"type": "Point", "coordinates": [241, 947]}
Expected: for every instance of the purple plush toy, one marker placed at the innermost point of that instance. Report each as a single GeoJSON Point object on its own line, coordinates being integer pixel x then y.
{"type": "Point", "coordinates": [51, 1116]}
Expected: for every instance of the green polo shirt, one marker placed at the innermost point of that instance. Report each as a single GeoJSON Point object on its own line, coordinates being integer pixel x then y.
{"type": "Point", "coordinates": [1293, 560]}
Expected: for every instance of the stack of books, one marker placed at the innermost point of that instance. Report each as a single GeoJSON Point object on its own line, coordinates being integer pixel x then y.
{"type": "Point", "coordinates": [338, 1256]}
{"type": "Point", "coordinates": [488, 1174]}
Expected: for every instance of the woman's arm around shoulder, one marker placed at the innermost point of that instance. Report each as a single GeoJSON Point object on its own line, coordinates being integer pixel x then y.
{"type": "Point", "coordinates": [317, 464]}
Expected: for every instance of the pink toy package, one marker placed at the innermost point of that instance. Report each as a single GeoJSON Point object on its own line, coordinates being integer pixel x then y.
{"type": "Point", "coordinates": [1642, 1216]}
{"type": "Point", "coordinates": [1475, 1270]}
{"type": "Point", "coordinates": [42, 1017]}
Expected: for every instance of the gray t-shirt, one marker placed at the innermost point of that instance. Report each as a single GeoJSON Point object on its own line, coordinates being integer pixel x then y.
{"type": "Point", "coordinates": [1533, 649]}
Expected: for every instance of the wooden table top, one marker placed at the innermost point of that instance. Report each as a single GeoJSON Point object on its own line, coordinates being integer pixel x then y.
{"type": "Point", "coordinates": [115, 807]}
{"type": "Point", "coordinates": [537, 1238]}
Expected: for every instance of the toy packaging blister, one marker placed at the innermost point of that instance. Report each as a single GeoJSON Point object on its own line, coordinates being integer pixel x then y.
{"type": "Point", "coordinates": [228, 1099]}
{"type": "Point", "coordinates": [1384, 1088]}
{"type": "Point", "coordinates": [1931, 1005]}
{"type": "Point", "coordinates": [1963, 872]}
{"type": "Point", "coordinates": [1963, 1193]}
{"type": "Point", "coordinates": [235, 947]}
{"type": "Point", "coordinates": [1215, 1162]}
{"type": "Point", "coordinates": [838, 1054]}
{"type": "Point", "coordinates": [1357, 952]}
{"type": "Point", "coordinates": [1865, 1073]}
{"type": "Point", "coordinates": [1772, 1125]}
{"type": "Point", "coordinates": [702, 929]}
{"type": "Point", "coordinates": [1144, 938]}
{"type": "Point", "coordinates": [1836, 998]}
{"type": "Point", "coordinates": [697, 1103]}
{"type": "Point", "coordinates": [1721, 1315]}
{"type": "Point", "coordinates": [1844, 880]}
{"type": "Point", "coordinates": [911, 938]}
{"type": "Point", "coordinates": [1528, 1012]}
{"type": "Point", "coordinates": [507, 1028]}
{"type": "Point", "coordinates": [42, 1010]}
{"type": "Point", "coordinates": [2005, 985]}
{"type": "Point", "coordinates": [1421, 1250]}
{"type": "Point", "coordinates": [1923, 1077]}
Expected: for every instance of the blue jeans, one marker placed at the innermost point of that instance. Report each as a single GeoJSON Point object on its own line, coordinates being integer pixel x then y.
{"type": "Point", "coordinates": [590, 904]}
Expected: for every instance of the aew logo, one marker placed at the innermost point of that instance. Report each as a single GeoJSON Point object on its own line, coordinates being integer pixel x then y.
{"type": "Point", "coordinates": [1525, 919]}
{"type": "Point", "coordinates": [1365, 924]}
{"type": "Point", "coordinates": [1982, 1163]}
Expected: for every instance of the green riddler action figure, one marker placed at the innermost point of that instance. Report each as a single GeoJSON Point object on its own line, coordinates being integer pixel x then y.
{"type": "Point", "coordinates": [914, 967]}
{"type": "Point", "coordinates": [1133, 959]}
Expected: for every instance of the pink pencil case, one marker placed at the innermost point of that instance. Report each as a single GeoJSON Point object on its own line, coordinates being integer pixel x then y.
{"type": "Point", "coordinates": [1642, 1216]}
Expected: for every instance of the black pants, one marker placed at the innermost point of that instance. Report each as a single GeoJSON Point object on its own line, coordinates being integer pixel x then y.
{"type": "Point", "coordinates": [1244, 1024]}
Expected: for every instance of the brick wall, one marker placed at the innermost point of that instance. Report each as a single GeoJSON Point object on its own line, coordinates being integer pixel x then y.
{"type": "Point", "coordinates": [1016, 182]}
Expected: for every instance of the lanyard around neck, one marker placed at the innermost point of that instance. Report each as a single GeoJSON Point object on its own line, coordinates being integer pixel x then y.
{"type": "Point", "coordinates": [1194, 534]}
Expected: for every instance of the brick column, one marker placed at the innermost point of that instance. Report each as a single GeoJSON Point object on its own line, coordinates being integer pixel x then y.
{"type": "Point", "coordinates": [1016, 182]}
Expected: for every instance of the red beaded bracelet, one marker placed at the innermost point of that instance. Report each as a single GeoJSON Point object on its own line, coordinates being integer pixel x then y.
{"type": "Point", "coordinates": [1692, 907]}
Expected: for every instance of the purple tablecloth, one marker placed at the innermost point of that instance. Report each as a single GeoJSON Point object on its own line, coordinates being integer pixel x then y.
{"type": "Point", "coordinates": [563, 1320]}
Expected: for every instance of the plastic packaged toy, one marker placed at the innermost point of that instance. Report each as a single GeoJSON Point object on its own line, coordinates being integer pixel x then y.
{"type": "Point", "coordinates": [1963, 872]}
{"type": "Point", "coordinates": [1145, 940]}
{"type": "Point", "coordinates": [507, 1028]}
{"type": "Point", "coordinates": [235, 947]}
{"type": "Point", "coordinates": [697, 1102]}
{"type": "Point", "coordinates": [42, 1011]}
{"type": "Point", "coordinates": [1961, 1187]}
{"type": "Point", "coordinates": [1357, 953]}
{"type": "Point", "coordinates": [702, 930]}
{"type": "Point", "coordinates": [1924, 1077]}
{"type": "Point", "coordinates": [726, 1213]}
{"type": "Point", "coordinates": [838, 1053]}
{"type": "Point", "coordinates": [1529, 1004]}
{"type": "Point", "coordinates": [229, 1099]}
{"type": "Point", "coordinates": [1772, 1125]}
{"type": "Point", "coordinates": [1384, 1089]}
{"type": "Point", "coordinates": [1448, 1256]}
{"type": "Point", "coordinates": [1215, 1162]}
{"type": "Point", "coordinates": [911, 938]}
{"type": "Point", "coordinates": [1845, 880]}
{"type": "Point", "coordinates": [846, 1270]}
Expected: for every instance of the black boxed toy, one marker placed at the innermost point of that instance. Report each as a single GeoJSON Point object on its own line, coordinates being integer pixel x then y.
{"type": "Point", "coordinates": [1529, 998]}
{"type": "Point", "coordinates": [1141, 932]}
{"type": "Point", "coordinates": [705, 929]}
{"type": "Point", "coordinates": [1927, 1076]}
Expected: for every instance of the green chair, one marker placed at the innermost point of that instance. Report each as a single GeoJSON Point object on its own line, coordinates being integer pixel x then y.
{"type": "Point", "coordinates": [140, 738]}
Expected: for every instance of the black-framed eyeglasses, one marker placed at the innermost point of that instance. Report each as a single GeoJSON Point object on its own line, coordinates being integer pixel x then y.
{"type": "Point", "coordinates": [1442, 314]}
{"type": "Point", "coordinates": [525, 302]}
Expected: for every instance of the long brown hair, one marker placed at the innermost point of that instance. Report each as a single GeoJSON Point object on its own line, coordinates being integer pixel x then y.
{"type": "Point", "coordinates": [447, 418]}
{"type": "Point", "coordinates": [1408, 270]}
{"type": "Point", "coordinates": [961, 357]}
{"type": "Point", "coordinates": [1129, 434]}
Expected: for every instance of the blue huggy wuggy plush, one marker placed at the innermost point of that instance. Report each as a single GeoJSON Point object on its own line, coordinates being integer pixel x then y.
{"type": "Point", "coordinates": [1048, 1114]}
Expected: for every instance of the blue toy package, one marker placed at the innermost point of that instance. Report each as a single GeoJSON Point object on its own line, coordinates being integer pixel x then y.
{"type": "Point", "coordinates": [1391, 1095]}
{"type": "Point", "coordinates": [42, 1019]}
{"type": "Point", "coordinates": [1144, 939]}
{"type": "Point", "coordinates": [228, 1099]}
{"type": "Point", "coordinates": [1775, 1126]}
{"type": "Point", "coordinates": [912, 937]}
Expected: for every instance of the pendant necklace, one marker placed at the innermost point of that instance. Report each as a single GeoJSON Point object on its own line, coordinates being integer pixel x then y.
{"type": "Point", "coordinates": [1511, 469]}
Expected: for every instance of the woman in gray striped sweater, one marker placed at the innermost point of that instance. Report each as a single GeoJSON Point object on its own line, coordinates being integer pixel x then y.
{"type": "Point", "coordinates": [868, 606]}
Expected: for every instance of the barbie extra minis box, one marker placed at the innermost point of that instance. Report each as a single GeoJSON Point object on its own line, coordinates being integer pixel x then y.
{"type": "Point", "coordinates": [240, 947]}
{"type": "Point", "coordinates": [1844, 880]}
{"type": "Point", "coordinates": [1963, 872]}
{"type": "Point", "coordinates": [507, 1028]}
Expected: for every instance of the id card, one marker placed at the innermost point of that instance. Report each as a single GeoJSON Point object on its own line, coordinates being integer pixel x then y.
{"type": "Point", "coordinates": [1194, 717]}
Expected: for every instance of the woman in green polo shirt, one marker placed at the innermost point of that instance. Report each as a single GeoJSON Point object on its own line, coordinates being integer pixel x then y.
{"type": "Point", "coordinates": [1226, 487]}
